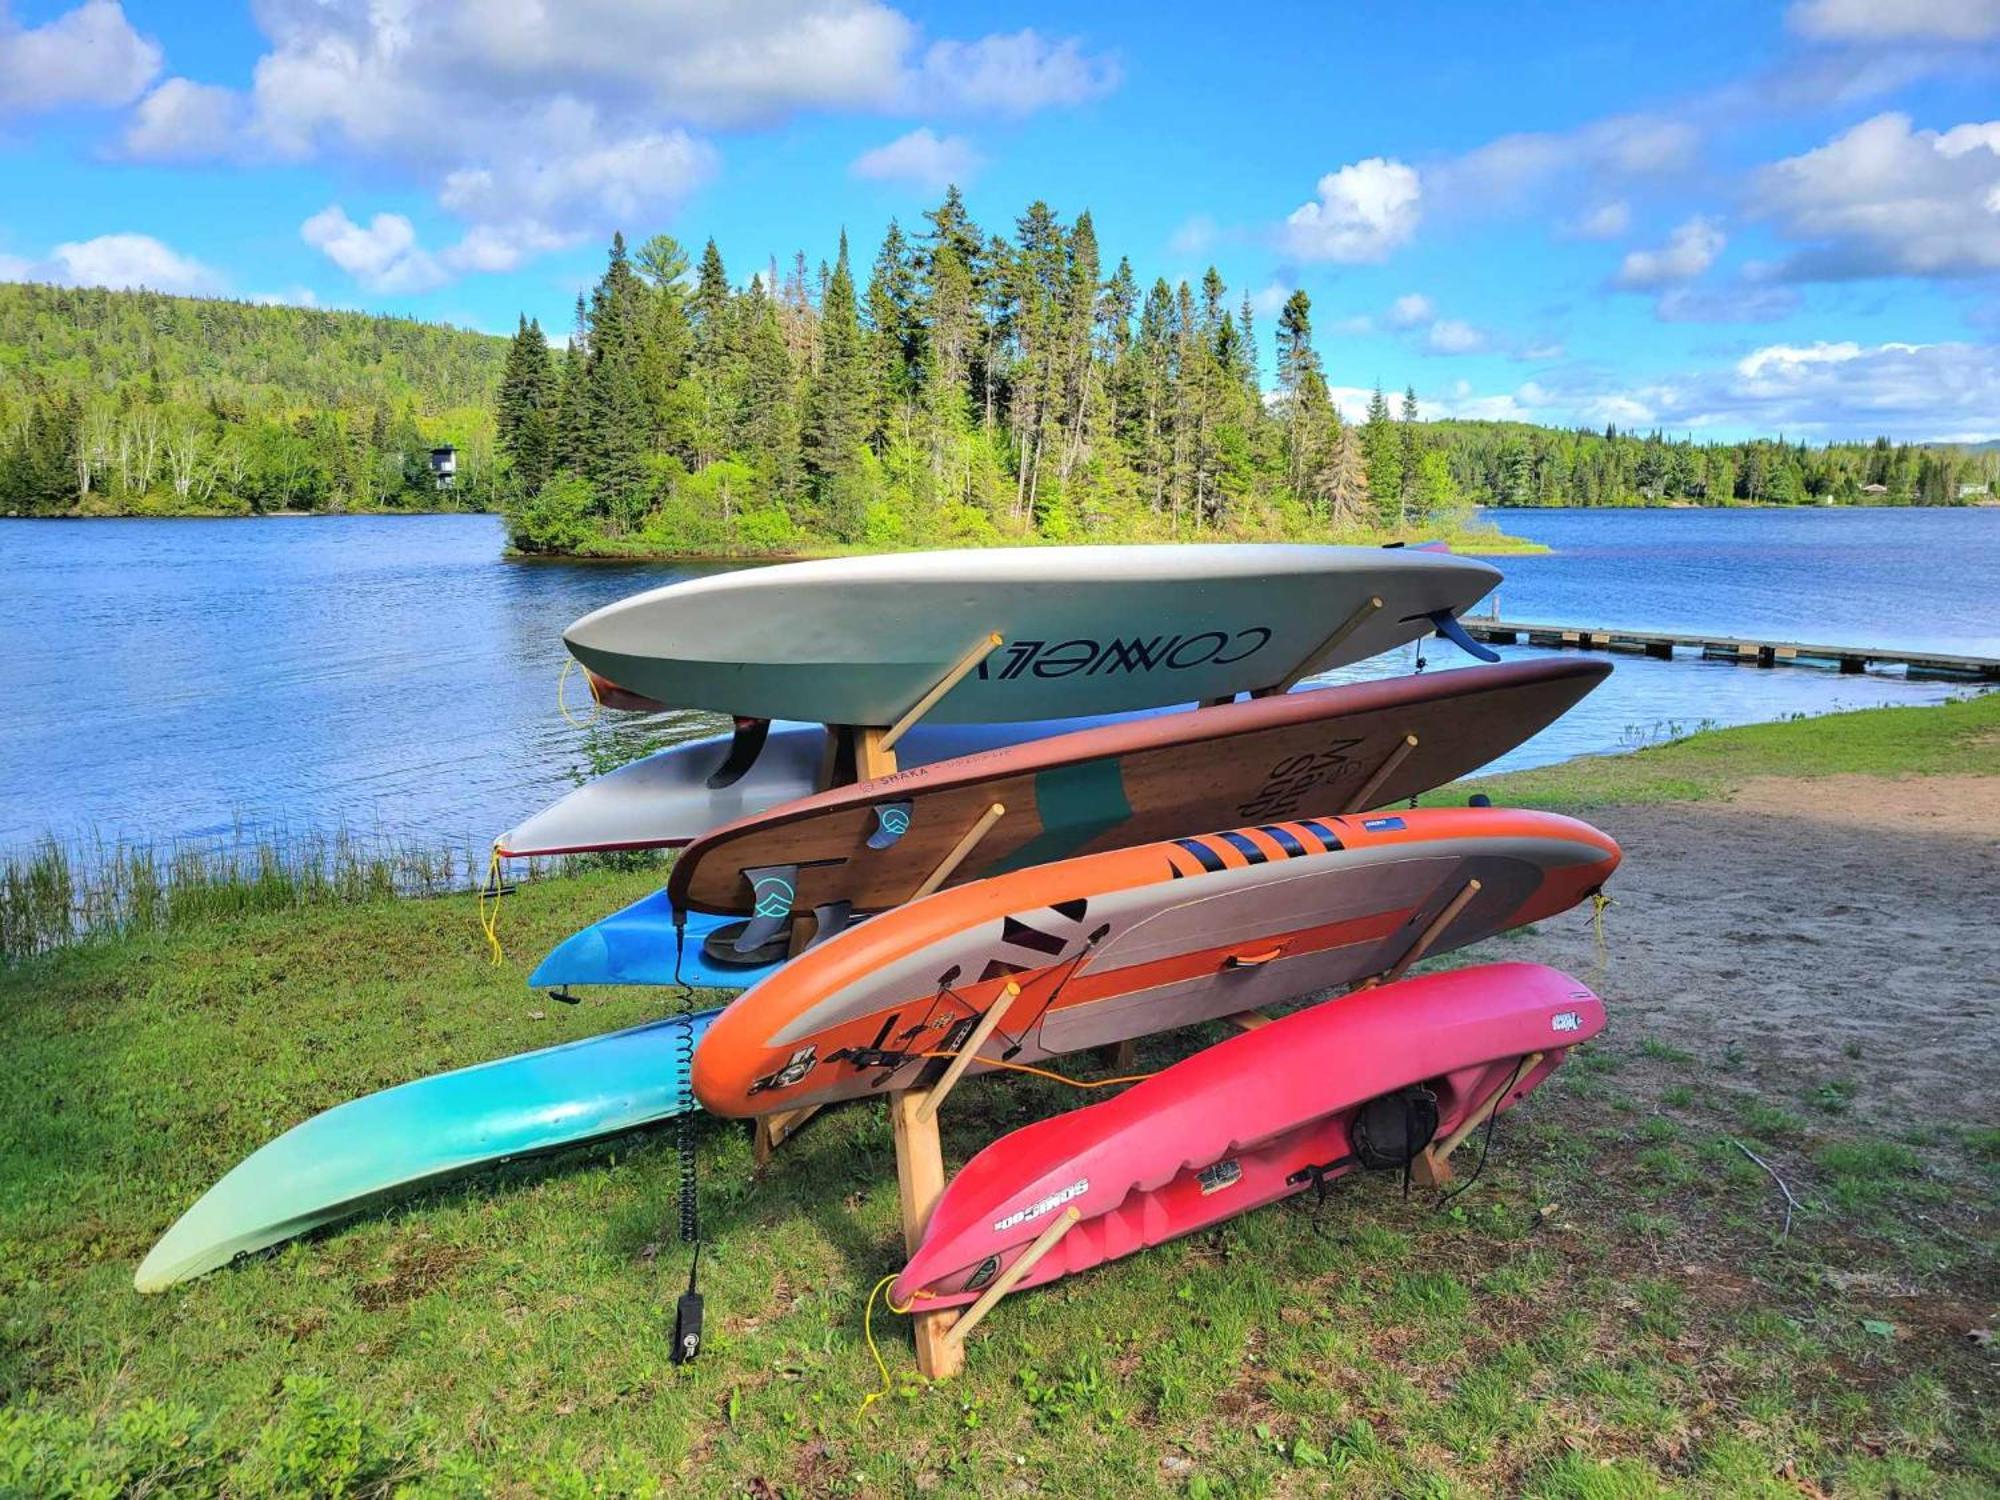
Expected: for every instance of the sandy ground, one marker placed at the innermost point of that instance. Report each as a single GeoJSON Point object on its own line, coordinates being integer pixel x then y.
{"type": "Point", "coordinates": [1843, 928]}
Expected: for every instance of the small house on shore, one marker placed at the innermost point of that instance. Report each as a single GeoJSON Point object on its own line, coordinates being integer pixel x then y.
{"type": "Point", "coordinates": [444, 465]}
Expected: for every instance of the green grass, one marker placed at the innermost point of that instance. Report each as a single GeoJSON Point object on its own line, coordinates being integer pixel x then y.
{"type": "Point", "coordinates": [1609, 1311]}
{"type": "Point", "coordinates": [1959, 738]}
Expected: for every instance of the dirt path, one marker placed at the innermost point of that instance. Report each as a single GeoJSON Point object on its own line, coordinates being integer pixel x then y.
{"type": "Point", "coordinates": [1839, 929]}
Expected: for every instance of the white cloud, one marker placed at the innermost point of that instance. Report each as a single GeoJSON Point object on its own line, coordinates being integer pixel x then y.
{"type": "Point", "coordinates": [922, 158]}
{"type": "Point", "coordinates": [1410, 310]}
{"type": "Point", "coordinates": [1541, 353]}
{"type": "Point", "coordinates": [1896, 20]}
{"type": "Point", "coordinates": [118, 261]}
{"type": "Point", "coordinates": [1516, 169]}
{"type": "Point", "coordinates": [382, 255]}
{"type": "Point", "coordinates": [184, 120]}
{"type": "Point", "coordinates": [1920, 392]}
{"type": "Point", "coordinates": [539, 125]}
{"type": "Point", "coordinates": [1193, 236]}
{"type": "Point", "coordinates": [1690, 250]}
{"type": "Point", "coordinates": [1012, 75]}
{"type": "Point", "coordinates": [1362, 212]}
{"type": "Point", "coordinates": [1454, 336]}
{"type": "Point", "coordinates": [1883, 199]}
{"type": "Point", "coordinates": [1744, 303]}
{"type": "Point", "coordinates": [90, 56]}
{"type": "Point", "coordinates": [1269, 300]}
{"type": "Point", "coordinates": [1607, 221]}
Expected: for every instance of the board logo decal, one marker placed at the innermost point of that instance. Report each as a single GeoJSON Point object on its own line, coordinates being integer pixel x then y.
{"type": "Point", "coordinates": [1382, 825]}
{"type": "Point", "coordinates": [1046, 1205]}
{"type": "Point", "coordinates": [1123, 657]}
{"type": "Point", "coordinates": [1291, 780]}
{"type": "Point", "coordinates": [801, 1063]}
{"type": "Point", "coordinates": [1222, 1174]}
{"type": "Point", "coordinates": [1565, 1020]}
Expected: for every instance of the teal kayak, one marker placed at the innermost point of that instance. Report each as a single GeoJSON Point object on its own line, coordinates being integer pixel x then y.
{"type": "Point", "coordinates": [360, 1153]}
{"type": "Point", "coordinates": [639, 946]}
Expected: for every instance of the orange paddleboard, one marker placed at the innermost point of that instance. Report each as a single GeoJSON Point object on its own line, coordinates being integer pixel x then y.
{"type": "Point", "coordinates": [1106, 947]}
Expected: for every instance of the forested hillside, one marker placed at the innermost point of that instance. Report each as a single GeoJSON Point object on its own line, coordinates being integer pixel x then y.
{"type": "Point", "coordinates": [135, 402]}
{"type": "Point", "coordinates": [972, 388]}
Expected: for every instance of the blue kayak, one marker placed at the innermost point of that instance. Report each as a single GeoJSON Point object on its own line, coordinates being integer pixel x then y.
{"type": "Point", "coordinates": [358, 1154]}
{"type": "Point", "coordinates": [638, 946]}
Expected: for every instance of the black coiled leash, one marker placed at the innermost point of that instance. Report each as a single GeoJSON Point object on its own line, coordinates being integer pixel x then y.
{"type": "Point", "coordinates": [687, 1313]}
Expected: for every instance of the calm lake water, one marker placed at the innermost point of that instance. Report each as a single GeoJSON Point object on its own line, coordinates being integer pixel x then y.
{"type": "Point", "coordinates": [197, 680]}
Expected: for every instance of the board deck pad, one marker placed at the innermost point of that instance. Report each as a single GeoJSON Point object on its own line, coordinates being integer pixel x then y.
{"type": "Point", "coordinates": [863, 640]}
{"type": "Point", "coordinates": [1258, 760]}
{"type": "Point", "coordinates": [638, 945]}
{"type": "Point", "coordinates": [1107, 947]}
{"type": "Point", "coordinates": [1251, 1120]}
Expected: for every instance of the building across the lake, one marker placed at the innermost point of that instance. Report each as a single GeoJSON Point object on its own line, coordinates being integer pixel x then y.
{"type": "Point", "coordinates": [444, 465]}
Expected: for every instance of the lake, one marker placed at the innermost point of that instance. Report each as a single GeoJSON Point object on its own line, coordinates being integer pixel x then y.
{"type": "Point", "coordinates": [202, 680]}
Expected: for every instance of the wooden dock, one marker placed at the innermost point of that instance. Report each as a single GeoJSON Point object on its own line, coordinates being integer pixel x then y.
{"type": "Point", "coordinates": [1662, 644]}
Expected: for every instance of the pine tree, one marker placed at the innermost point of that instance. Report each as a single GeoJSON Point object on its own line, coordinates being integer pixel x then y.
{"type": "Point", "coordinates": [894, 339]}
{"type": "Point", "coordinates": [1382, 452]}
{"type": "Point", "coordinates": [1410, 451]}
{"type": "Point", "coordinates": [838, 422]}
{"type": "Point", "coordinates": [524, 409]}
{"type": "Point", "coordinates": [617, 417]}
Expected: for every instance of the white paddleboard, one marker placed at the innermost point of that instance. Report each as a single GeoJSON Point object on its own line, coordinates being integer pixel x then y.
{"type": "Point", "coordinates": [664, 800]}
{"type": "Point", "coordinates": [860, 640]}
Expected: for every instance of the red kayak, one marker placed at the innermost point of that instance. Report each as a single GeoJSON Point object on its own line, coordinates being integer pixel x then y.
{"type": "Point", "coordinates": [1367, 1080]}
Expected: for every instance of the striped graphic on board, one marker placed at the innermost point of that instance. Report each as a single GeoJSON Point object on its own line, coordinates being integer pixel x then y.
{"type": "Point", "coordinates": [1241, 848]}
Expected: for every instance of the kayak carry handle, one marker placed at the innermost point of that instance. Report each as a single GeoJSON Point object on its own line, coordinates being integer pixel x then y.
{"type": "Point", "coordinates": [1253, 960]}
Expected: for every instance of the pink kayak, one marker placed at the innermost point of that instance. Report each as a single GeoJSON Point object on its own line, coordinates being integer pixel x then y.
{"type": "Point", "coordinates": [1364, 1080]}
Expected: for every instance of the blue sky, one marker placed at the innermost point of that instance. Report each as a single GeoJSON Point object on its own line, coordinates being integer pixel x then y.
{"type": "Point", "coordinates": [1718, 217]}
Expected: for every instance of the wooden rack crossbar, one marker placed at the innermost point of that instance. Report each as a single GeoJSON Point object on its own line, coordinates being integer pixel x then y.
{"type": "Point", "coordinates": [955, 1069]}
{"type": "Point", "coordinates": [1311, 660]}
{"type": "Point", "coordinates": [938, 689]}
{"type": "Point", "coordinates": [1010, 1278]}
{"type": "Point", "coordinates": [1432, 931]}
{"type": "Point", "coordinates": [1432, 1168]}
{"type": "Point", "coordinates": [968, 841]}
{"type": "Point", "coordinates": [1365, 797]}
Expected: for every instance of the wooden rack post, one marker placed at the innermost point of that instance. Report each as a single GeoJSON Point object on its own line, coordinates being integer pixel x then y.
{"type": "Point", "coordinates": [1364, 798]}
{"type": "Point", "coordinates": [1432, 1168]}
{"type": "Point", "coordinates": [920, 1180]}
{"type": "Point", "coordinates": [1311, 659]}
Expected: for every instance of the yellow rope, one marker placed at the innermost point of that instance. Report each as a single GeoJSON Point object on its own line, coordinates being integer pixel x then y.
{"type": "Point", "coordinates": [562, 704]}
{"type": "Point", "coordinates": [868, 1332]}
{"type": "Point", "coordinates": [489, 918]}
{"type": "Point", "coordinates": [1075, 1083]}
{"type": "Point", "coordinates": [1598, 901]}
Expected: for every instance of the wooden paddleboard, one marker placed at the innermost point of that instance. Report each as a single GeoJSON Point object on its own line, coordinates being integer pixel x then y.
{"type": "Point", "coordinates": [862, 640]}
{"type": "Point", "coordinates": [1252, 761]}
{"type": "Point", "coordinates": [1106, 947]}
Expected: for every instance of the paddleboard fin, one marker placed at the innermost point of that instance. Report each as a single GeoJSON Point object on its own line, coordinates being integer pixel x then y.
{"type": "Point", "coordinates": [830, 920]}
{"type": "Point", "coordinates": [772, 891]}
{"type": "Point", "coordinates": [892, 821]}
{"type": "Point", "coordinates": [744, 749]}
{"type": "Point", "coordinates": [1448, 627]}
